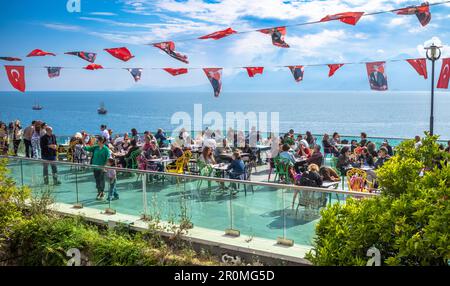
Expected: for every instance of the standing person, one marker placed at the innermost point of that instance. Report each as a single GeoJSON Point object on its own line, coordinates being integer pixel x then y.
{"type": "Point", "coordinates": [3, 139]}
{"type": "Point", "coordinates": [27, 134]}
{"type": "Point", "coordinates": [104, 132]}
{"type": "Point", "coordinates": [36, 140]}
{"type": "Point", "coordinates": [418, 141]}
{"type": "Point", "coordinates": [100, 155]}
{"type": "Point", "coordinates": [363, 141]}
{"type": "Point", "coordinates": [310, 139]}
{"type": "Point", "coordinates": [16, 136]}
{"type": "Point", "coordinates": [112, 178]}
{"type": "Point", "coordinates": [48, 151]}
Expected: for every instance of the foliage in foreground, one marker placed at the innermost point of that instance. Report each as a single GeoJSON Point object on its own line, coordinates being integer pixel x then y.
{"type": "Point", "coordinates": [409, 223]}
{"type": "Point", "coordinates": [31, 236]}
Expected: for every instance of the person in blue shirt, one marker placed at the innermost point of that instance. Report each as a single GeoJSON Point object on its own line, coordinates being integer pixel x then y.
{"type": "Point", "coordinates": [161, 137]}
{"type": "Point", "coordinates": [237, 167]}
{"type": "Point", "coordinates": [285, 154]}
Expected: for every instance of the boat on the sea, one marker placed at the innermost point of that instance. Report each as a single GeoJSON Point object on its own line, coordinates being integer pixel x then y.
{"type": "Point", "coordinates": [102, 110]}
{"type": "Point", "coordinates": [37, 106]}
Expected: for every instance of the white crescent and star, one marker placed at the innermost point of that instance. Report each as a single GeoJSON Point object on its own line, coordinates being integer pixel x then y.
{"type": "Point", "coordinates": [15, 74]}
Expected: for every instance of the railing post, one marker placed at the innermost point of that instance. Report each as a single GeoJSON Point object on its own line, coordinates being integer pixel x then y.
{"type": "Point", "coordinates": [144, 197]}
{"type": "Point", "coordinates": [283, 240]}
{"type": "Point", "coordinates": [21, 172]}
{"type": "Point", "coordinates": [78, 205]}
{"type": "Point", "coordinates": [231, 231]}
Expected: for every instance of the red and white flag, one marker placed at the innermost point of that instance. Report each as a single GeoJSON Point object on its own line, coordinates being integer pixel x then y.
{"type": "Point", "coordinates": [16, 76]}
{"type": "Point", "coordinates": [333, 69]}
{"type": "Point", "coordinates": [10, 59]}
{"type": "Point", "coordinates": [176, 72]}
{"type": "Point", "coordinates": [350, 18]}
{"type": "Point", "coordinates": [377, 76]}
{"type": "Point", "coordinates": [420, 65]}
{"type": "Point", "coordinates": [39, 53]}
{"type": "Point", "coordinates": [93, 67]}
{"type": "Point", "coordinates": [277, 34]}
{"type": "Point", "coordinates": [445, 74]}
{"type": "Point", "coordinates": [252, 71]}
{"type": "Point", "coordinates": [422, 12]}
{"type": "Point", "coordinates": [122, 54]}
{"type": "Point", "coordinates": [219, 34]}
{"type": "Point", "coordinates": [169, 48]}
{"type": "Point", "coordinates": [215, 77]}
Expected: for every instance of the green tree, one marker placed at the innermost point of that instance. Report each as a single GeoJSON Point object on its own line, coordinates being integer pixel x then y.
{"type": "Point", "coordinates": [409, 222]}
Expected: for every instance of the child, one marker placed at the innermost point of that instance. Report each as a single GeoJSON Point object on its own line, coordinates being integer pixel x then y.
{"type": "Point", "coordinates": [112, 181]}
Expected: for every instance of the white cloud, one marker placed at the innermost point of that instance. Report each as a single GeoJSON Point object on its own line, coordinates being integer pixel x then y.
{"type": "Point", "coordinates": [103, 14]}
{"type": "Point", "coordinates": [62, 27]}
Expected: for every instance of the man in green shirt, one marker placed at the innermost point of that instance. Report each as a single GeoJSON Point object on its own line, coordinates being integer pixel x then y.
{"type": "Point", "coordinates": [100, 155]}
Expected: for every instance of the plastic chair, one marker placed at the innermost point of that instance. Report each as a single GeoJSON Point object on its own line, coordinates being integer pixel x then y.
{"type": "Point", "coordinates": [282, 169]}
{"type": "Point", "coordinates": [357, 180]}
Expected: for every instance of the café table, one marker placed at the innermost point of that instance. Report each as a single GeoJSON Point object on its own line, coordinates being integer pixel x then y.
{"type": "Point", "coordinates": [221, 167]}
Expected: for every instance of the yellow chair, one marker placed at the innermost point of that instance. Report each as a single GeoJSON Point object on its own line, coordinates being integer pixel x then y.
{"type": "Point", "coordinates": [180, 164]}
{"type": "Point", "coordinates": [357, 180]}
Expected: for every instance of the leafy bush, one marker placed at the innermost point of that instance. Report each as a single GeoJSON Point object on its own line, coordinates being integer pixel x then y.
{"type": "Point", "coordinates": [32, 236]}
{"type": "Point", "coordinates": [409, 222]}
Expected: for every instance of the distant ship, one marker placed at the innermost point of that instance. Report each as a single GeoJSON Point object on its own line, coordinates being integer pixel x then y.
{"type": "Point", "coordinates": [102, 109]}
{"type": "Point", "coordinates": [36, 106]}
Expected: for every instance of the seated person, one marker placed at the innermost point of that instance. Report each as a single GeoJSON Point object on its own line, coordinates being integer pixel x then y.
{"type": "Point", "coordinates": [127, 158]}
{"type": "Point", "coordinates": [354, 144]}
{"type": "Point", "coordinates": [316, 157]}
{"type": "Point", "coordinates": [303, 149]}
{"type": "Point", "coordinates": [327, 147]}
{"type": "Point", "coordinates": [336, 139]}
{"type": "Point", "coordinates": [160, 137]}
{"type": "Point", "coordinates": [344, 160]}
{"type": "Point", "coordinates": [383, 156]}
{"type": "Point", "coordinates": [207, 156]}
{"type": "Point", "coordinates": [388, 147]}
{"type": "Point", "coordinates": [152, 152]}
{"type": "Point", "coordinates": [175, 151]}
{"type": "Point", "coordinates": [372, 148]}
{"type": "Point", "coordinates": [249, 150]}
{"type": "Point", "coordinates": [285, 154]}
{"type": "Point", "coordinates": [237, 167]}
{"type": "Point", "coordinates": [311, 178]}
{"type": "Point", "coordinates": [328, 174]}
{"type": "Point", "coordinates": [365, 158]}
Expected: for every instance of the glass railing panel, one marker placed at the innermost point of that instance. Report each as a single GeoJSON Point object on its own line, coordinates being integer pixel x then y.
{"type": "Point", "coordinates": [257, 211]}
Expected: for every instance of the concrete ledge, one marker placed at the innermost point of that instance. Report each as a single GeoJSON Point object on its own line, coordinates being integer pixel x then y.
{"type": "Point", "coordinates": [260, 247]}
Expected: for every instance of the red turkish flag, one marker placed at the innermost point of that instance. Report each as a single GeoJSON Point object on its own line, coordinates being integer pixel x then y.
{"type": "Point", "coordinates": [445, 74]}
{"type": "Point", "coordinates": [39, 53]}
{"type": "Point", "coordinates": [422, 12]}
{"type": "Point", "coordinates": [350, 18]}
{"type": "Point", "coordinates": [252, 71]}
{"type": "Point", "coordinates": [122, 54]}
{"type": "Point", "coordinates": [277, 34]}
{"type": "Point", "coordinates": [93, 67]}
{"type": "Point", "coordinates": [16, 76]}
{"type": "Point", "coordinates": [219, 34]}
{"type": "Point", "coordinates": [333, 69]}
{"type": "Point", "coordinates": [420, 65]}
{"type": "Point", "coordinates": [176, 72]}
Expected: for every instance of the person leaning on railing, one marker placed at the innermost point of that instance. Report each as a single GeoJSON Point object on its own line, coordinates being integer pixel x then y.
{"type": "Point", "coordinates": [100, 155]}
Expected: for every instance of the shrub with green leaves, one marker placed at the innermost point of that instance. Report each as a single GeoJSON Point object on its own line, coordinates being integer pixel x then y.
{"type": "Point", "coordinates": [409, 222]}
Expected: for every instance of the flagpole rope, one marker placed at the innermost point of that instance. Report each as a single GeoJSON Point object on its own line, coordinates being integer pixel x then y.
{"type": "Point", "coordinates": [306, 23]}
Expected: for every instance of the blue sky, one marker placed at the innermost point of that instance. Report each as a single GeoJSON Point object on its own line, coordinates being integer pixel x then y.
{"type": "Point", "coordinates": [46, 24]}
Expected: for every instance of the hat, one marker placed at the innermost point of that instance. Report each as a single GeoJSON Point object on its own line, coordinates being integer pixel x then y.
{"type": "Point", "coordinates": [78, 135]}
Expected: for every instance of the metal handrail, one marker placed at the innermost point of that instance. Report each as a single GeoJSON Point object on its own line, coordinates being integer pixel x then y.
{"type": "Point", "coordinates": [193, 177]}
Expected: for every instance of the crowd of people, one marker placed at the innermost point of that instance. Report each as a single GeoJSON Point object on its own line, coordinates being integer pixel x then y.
{"type": "Point", "coordinates": [142, 151]}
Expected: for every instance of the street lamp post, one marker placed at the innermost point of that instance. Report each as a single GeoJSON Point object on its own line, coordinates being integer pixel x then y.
{"type": "Point", "coordinates": [433, 54]}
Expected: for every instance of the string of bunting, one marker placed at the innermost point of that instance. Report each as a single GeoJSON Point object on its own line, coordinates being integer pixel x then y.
{"type": "Point", "coordinates": [376, 72]}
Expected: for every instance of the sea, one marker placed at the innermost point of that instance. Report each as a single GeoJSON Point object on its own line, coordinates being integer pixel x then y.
{"type": "Point", "coordinates": [382, 114]}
